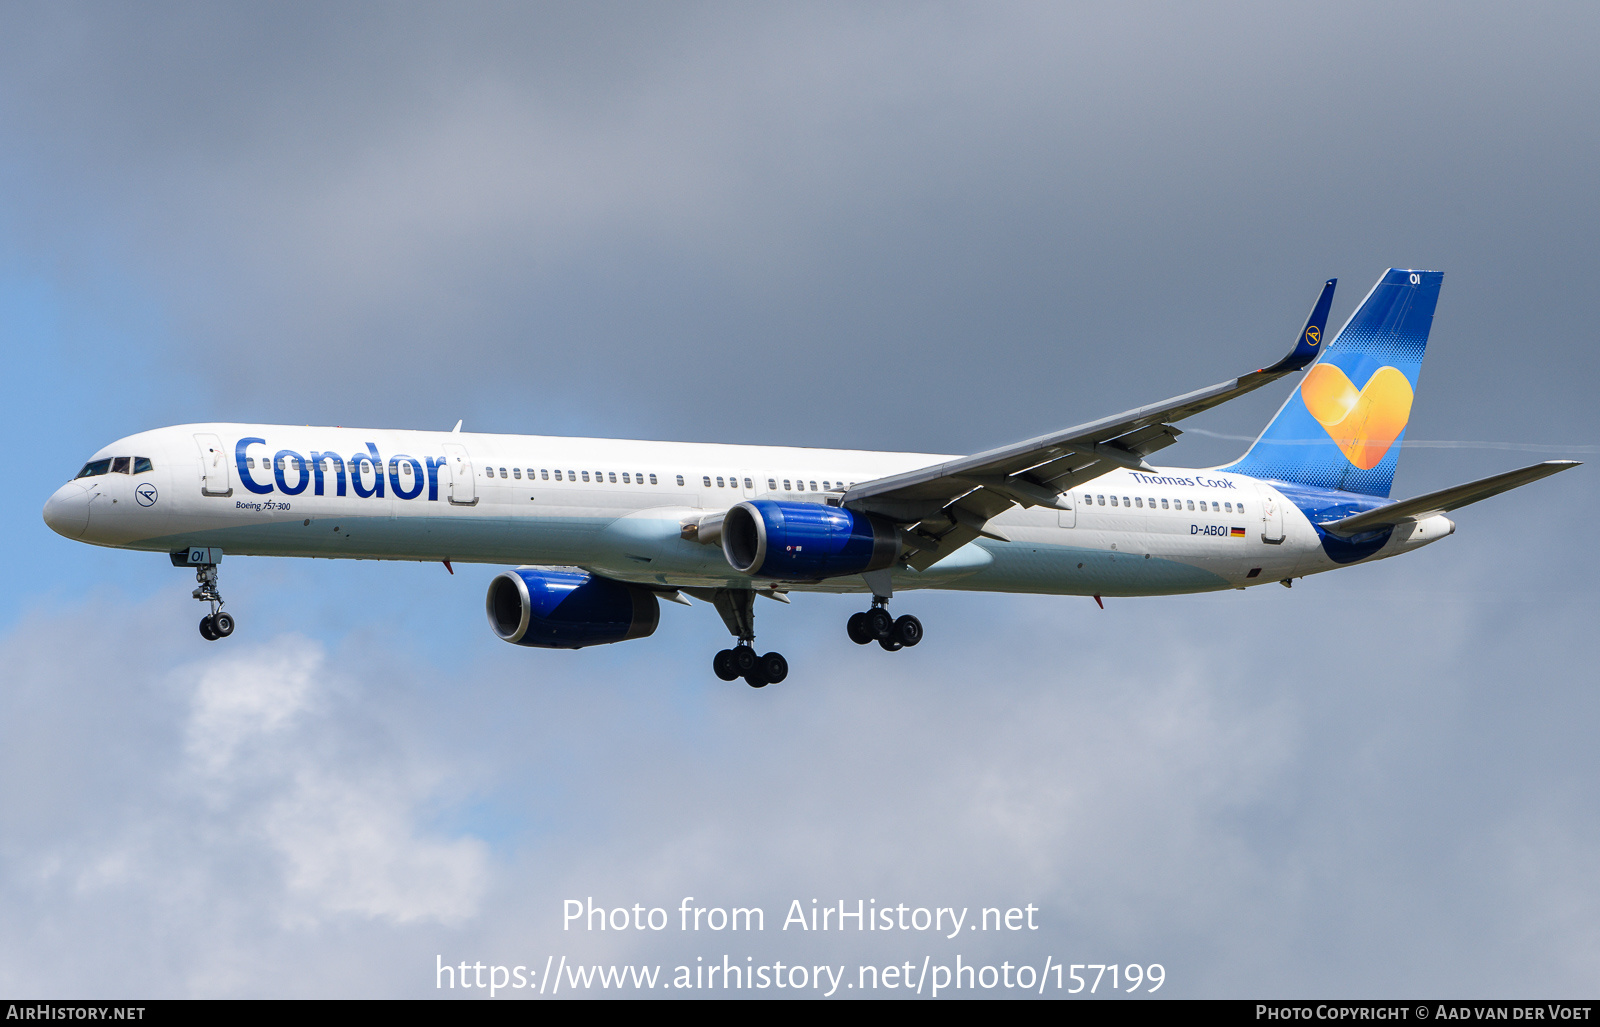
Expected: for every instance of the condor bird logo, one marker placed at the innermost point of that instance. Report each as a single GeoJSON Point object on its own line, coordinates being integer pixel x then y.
{"type": "Point", "coordinates": [1313, 335]}
{"type": "Point", "coordinates": [1364, 423]}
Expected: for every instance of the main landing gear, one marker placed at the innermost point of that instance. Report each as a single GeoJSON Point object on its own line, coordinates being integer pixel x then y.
{"type": "Point", "coordinates": [877, 625]}
{"type": "Point", "coordinates": [737, 607]}
{"type": "Point", "coordinates": [742, 662]}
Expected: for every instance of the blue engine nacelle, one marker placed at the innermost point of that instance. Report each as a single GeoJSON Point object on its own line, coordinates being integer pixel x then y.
{"type": "Point", "coordinates": [806, 541]}
{"type": "Point", "coordinates": [568, 609]}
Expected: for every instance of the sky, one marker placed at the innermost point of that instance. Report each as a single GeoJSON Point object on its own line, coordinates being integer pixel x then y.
{"type": "Point", "coordinates": [925, 227]}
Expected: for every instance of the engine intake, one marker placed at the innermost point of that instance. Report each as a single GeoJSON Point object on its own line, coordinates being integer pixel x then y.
{"type": "Point", "coordinates": [806, 541]}
{"type": "Point", "coordinates": [568, 609]}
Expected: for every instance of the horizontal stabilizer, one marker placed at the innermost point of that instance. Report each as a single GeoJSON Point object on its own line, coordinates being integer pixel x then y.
{"type": "Point", "coordinates": [1445, 500]}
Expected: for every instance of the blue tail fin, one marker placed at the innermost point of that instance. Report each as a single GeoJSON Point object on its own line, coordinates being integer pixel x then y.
{"type": "Point", "coordinates": [1342, 427]}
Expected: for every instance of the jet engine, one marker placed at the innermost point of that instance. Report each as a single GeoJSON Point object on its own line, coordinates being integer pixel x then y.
{"type": "Point", "coordinates": [805, 541]}
{"type": "Point", "coordinates": [563, 608]}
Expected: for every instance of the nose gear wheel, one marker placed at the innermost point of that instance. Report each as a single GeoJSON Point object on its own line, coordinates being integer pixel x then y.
{"type": "Point", "coordinates": [216, 624]}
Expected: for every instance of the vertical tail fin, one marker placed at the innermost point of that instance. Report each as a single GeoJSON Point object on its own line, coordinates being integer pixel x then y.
{"type": "Point", "coordinates": [1341, 429]}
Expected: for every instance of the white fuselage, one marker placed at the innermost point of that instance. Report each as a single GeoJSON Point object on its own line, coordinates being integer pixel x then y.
{"type": "Point", "coordinates": [618, 508]}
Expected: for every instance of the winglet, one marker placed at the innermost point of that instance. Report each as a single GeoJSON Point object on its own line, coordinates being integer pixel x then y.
{"type": "Point", "coordinates": [1309, 344]}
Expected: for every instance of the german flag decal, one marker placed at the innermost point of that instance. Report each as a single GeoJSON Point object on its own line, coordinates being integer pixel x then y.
{"type": "Point", "coordinates": [1236, 533]}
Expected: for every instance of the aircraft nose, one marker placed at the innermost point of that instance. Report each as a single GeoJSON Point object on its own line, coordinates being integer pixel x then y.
{"type": "Point", "coordinates": [67, 512]}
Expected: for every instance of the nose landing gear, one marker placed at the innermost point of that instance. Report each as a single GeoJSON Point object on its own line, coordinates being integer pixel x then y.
{"type": "Point", "coordinates": [215, 624]}
{"type": "Point", "coordinates": [877, 625]}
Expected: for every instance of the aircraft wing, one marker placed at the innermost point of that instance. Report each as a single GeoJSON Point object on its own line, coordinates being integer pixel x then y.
{"type": "Point", "coordinates": [1444, 500]}
{"type": "Point", "coordinates": [948, 504]}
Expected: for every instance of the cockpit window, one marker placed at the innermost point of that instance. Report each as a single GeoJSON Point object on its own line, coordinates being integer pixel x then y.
{"type": "Point", "coordinates": [117, 465]}
{"type": "Point", "coordinates": [95, 467]}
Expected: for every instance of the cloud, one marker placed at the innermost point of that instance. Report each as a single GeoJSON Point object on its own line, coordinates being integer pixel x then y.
{"type": "Point", "coordinates": [802, 204]}
{"type": "Point", "coordinates": [345, 832]}
{"type": "Point", "coordinates": [278, 817]}
{"type": "Point", "coordinates": [236, 795]}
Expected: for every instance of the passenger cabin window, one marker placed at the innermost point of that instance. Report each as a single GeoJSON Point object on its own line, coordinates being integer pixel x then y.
{"type": "Point", "coordinates": [1138, 502]}
{"type": "Point", "coordinates": [652, 479]}
{"type": "Point", "coordinates": [786, 487]}
{"type": "Point", "coordinates": [772, 484]}
{"type": "Point", "coordinates": [613, 477]}
{"type": "Point", "coordinates": [1113, 500]}
{"type": "Point", "coordinates": [719, 481]}
{"type": "Point", "coordinates": [1228, 507]}
{"type": "Point", "coordinates": [1102, 500]}
{"type": "Point", "coordinates": [516, 472]}
{"type": "Point", "coordinates": [813, 486]}
{"type": "Point", "coordinates": [585, 475]}
{"type": "Point", "coordinates": [747, 484]}
{"type": "Point", "coordinates": [625, 478]}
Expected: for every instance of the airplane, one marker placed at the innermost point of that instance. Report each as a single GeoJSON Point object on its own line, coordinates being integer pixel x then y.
{"type": "Point", "coordinates": [599, 531]}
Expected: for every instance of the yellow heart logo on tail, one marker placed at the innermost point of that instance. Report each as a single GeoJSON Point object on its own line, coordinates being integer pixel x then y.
{"type": "Point", "coordinates": [1364, 424]}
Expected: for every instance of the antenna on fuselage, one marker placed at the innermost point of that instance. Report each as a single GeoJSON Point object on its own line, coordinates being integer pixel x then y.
{"type": "Point", "coordinates": [457, 429]}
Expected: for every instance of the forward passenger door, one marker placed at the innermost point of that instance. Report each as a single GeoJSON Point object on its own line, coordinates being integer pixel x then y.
{"type": "Point", "coordinates": [214, 477]}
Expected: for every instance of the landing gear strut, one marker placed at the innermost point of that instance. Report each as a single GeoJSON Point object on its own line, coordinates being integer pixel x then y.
{"type": "Point", "coordinates": [215, 624]}
{"type": "Point", "coordinates": [877, 625]}
{"type": "Point", "coordinates": [737, 607]}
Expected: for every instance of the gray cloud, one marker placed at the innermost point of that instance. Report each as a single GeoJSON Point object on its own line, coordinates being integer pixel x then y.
{"type": "Point", "coordinates": [1395, 808]}
{"type": "Point", "coordinates": [344, 213]}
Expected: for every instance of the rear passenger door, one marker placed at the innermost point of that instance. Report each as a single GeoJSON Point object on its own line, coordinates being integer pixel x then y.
{"type": "Point", "coordinates": [1271, 516]}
